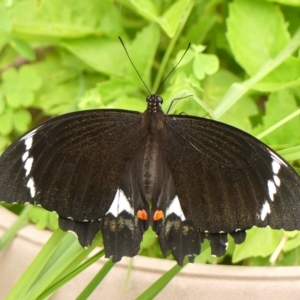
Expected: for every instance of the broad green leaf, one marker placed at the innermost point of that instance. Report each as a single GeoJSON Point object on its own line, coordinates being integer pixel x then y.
{"type": "Point", "coordinates": [279, 105]}
{"type": "Point", "coordinates": [6, 122]}
{"type": "Point", "coordinates": [29, 79]}
{"type": "Point", "coordinates": [285, 75]}
{"type": "Point", "coordinates": [4, 141]}
{"type": "Point", "coordinates": [237, 90]}
{"type": "Point", "coordinates": [291, 154]}
{"type": "Point", "coordinates": [171, 19]}
{"type": "Point", "coordinates": [43, 219]}
{"type": "Point", "coordinates": [101, 54]}
{"type": "Point", "coordinates": [258, 36]}
{"type": "Point", "coordinates": [259, 242]}
{"type": "Point", "coordinates": [66, 18]}
{"type": "Point", "coordinates": [205, 255]}
{"type": "Point", "coordinates": [21, 119]}
{"type": "Point", "coordinates": [58, 98]}
{"type": "Point", "coordinates": [143, 57]}
{"type": "Point", "coordinates": [205, 64]}
{"type": "Point", "coordinates": [292, 243]}
{"type": "Point", "coordinates": [239, 114]}
{"type": "Point", "coordinates": [22, 47]}
{"type": "Point", "coordinates": [2, 103]}
{"type": "Point", "coordinates": [5, 21]}
{"type": "Point", "coordinates": [287, 2]}
{"type": "Point", "coordinates": [145, 8]}
{"type": "Point", "coordinates": [18, 87]}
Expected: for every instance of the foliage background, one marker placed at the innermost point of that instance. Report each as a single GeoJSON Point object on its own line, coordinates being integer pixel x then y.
{"type": "Point", "coordinates": [243, 68]}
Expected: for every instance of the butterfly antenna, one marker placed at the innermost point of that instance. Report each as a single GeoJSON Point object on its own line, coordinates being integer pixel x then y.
{"type": "Point", "coordinates": [186, 50]}
{"type": "Point", "coordinates": [134, 65]}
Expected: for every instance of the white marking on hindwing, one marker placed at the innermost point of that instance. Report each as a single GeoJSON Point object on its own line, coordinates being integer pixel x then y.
{"type": "Point", "coordinates": [271, 189]}
{"type": "Point", "coordinates": [175, 208]}
{"type": "Point", "coordinates": [119, 204]}
{"type": "Point", "coordinates": [266, 209]}
{"type": "Point", "coordinates": [31, 186]}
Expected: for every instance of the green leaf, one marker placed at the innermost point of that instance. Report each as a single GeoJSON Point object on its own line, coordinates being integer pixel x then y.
{"type": "Point", "coordinates": [290, 154]}
{"type": "Point", "coordinates": [2, 103]}
{"type": "Point", "coordinates": [19, 86]}
{"type": "Point", "coordinates": [279, 105]}
{"type": "Point", "coordinates": [6, 122]}
{"type": "Point", "coordinates": [205, 64]}
{"type": "Point", "coordinates": [5, 21]}
{"type": "Point", "coordinates": [21, 120]}
{"type": "Point", "coordinates": [43, 218]}
{"type": "Point", "coordinates": [292, 243]}
{"type": "Point", "coordinates": [259, 242]}
{"type": "Point", "coordinates": [143, 57]}
{"type": "Point", "coordinates": [4, 141]}
{"type": "Point", "coordinates": [287, 2]}
{"type": "Point", "coordinates": [96, 281]}
{"type": "Point", "coordinates": [65, 18]}
{"type": "Point", "coordinates": [13, 230]}
{"type": "Point", "coordinates": [145, 8]}
{"type": "Point", "coordinates": [103, 55]}
{"type": "Point", "coordinates": [285, 75]}
{"type": "Point", "coordinates": [157, 286]}
{"type": "Point", "coordinates": [171, 19]}
{"type": "Point", "coordinates": [22, 47]}
{"type": "Point", "coordinates": [258, 36]}
{"type": "Point", "coordinates": [237, 90]}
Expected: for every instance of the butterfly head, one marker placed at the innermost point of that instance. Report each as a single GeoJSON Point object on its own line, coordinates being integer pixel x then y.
{"type": "Point", "coordinates": [154, 103]}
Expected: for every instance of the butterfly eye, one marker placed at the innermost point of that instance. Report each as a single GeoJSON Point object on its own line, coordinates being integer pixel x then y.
{"type": "Point", "coordinates": [148, 98]}
{"type": "Point", "coordinates": [159, 99]}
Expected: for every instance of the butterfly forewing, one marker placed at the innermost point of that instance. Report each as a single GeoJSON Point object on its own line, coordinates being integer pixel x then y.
{"type": "Point", "coordinates": [234, 181]}
{"type": "Point", "coordinates": [71, 164]}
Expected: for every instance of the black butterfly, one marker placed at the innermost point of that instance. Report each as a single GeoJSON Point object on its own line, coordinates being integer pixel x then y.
{"type": "Point", "coordinates": [100, 170]}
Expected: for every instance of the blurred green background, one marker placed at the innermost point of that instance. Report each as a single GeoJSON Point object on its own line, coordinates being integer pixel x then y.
{"type": "Point", "coordinates": [243, 68]}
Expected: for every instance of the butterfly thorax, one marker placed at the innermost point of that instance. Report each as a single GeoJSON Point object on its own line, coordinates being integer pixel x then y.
{"type": "Point", "coordinates": [153, 123]}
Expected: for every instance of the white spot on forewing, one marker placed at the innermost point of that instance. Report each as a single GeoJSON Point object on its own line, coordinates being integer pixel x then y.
{"type": "Point", "coordinates": [29, 135]}
{"type": "Point", "coordinates": [276, 180]}
{"type": "Point", "coordinates": [119, 204]}
{"type": "Point", "coordinates": [31, 186]}
{"type": "Point", "coordinates": [28, 143]}
{"type": "Point", "coordinates": [25, 156]}
{"type": "Point", "coordinates": [28, 165]}
{"type": "Point", "coordinates": [277, 159]}
{"type": "Point", "coordinates": [275, 167]}
{"type": "Point", "coordinates": [266, 209]}
{"type": "Point", "coordinates": [271, 189]}
{"type": "Point", "coordinates": [175, 208]}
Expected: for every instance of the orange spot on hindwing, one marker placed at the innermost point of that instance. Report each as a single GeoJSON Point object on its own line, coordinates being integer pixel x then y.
{"type": "Point", "coordinates": [142, 215]}
{"type": "Point", "coordinates": [158, 215]}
